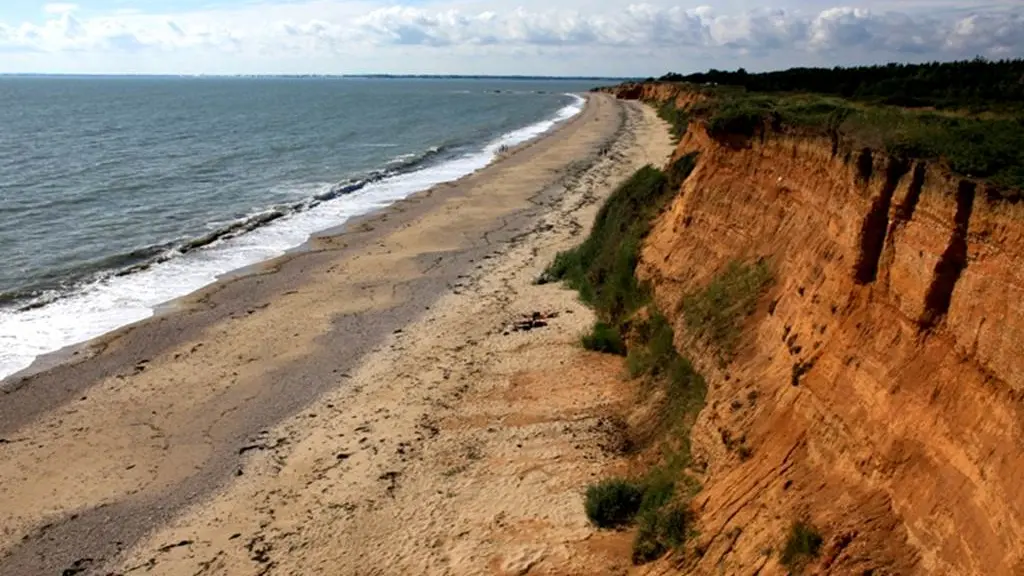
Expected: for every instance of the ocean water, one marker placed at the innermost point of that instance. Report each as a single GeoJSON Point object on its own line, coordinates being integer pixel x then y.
{"type": "Point", "coordinates": [121, 194]}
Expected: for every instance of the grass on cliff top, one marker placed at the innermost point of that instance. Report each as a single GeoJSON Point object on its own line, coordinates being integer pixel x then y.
{"type": "Point", "coordinates": [603, 270]}
{"type": "Point", "coordinates": [986, 146]}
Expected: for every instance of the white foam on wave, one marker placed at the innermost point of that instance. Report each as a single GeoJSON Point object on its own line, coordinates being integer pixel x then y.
{"type": "Point", "coordinates": [118, 301]}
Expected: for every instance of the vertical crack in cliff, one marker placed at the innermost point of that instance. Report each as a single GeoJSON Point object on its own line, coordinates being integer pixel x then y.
{"type": "Point", "coordinates": [953, 260]}
{"type": "Point", "coordinates": [865, 165]}
{"type": "Point", "coordinates": [905, 210]}
{"type": "Point", "coordinates": [903, 213]}
{"type": "Point", "coordinates": [876, 223]}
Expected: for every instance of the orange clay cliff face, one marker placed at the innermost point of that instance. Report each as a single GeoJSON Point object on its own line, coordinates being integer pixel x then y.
{"type": "Point", "coordinates": [879, 385]}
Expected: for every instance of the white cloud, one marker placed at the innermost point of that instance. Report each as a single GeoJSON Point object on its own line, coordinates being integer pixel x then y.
{"type": "Point", "coordinates": [334, 36]}
{"type": "Point", "coordinates": [59, 8]}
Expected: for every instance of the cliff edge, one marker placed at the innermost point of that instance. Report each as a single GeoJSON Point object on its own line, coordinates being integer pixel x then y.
{"type": "Point", "coordinates": [875, 393]}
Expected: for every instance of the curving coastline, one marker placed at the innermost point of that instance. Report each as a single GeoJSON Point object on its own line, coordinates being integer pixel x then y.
{"type": "Point", "coordinates": [130, 287]}
{"type": "Point", "coordinates": [192, 411]}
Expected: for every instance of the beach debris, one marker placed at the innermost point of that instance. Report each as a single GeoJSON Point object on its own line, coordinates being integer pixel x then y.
{"type": "Point", "coordinates": [78, 567]}
{"type": "Point", "coordinates": [259, 549]}
{"type": "Point", "coordinates": [169, 547]}
{"type": "Point", "coordinates": [392, 479]}
{"type": "Point", "coordinates": [545, 278]}
{"type": "Point", "coordinates": [528, 322]}
{"type": "Point", "coordinates": [263, 445]}
{"type": "Point", "coordinates": [429, 427]}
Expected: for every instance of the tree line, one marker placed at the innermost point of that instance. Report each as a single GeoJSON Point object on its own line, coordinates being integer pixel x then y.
{"type": "Point", "coordinates": [963, 84]}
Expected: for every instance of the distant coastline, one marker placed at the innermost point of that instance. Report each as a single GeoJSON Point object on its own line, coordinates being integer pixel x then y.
{"type": "Point", "coordinates": [331, 76]}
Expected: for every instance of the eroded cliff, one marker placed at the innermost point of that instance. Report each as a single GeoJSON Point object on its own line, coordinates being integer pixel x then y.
{"type": "Point", "coordinates": [877, 389]}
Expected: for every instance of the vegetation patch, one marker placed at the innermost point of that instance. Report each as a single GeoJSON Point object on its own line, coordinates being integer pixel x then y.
{"type": "Point", "coordinates": [603, 267]}
{"type": "Point", "coordinates": [802, 546]}
{"type": "Point", "coordinates": [660, 530]}
{"type": "Point", "coordinates": [604, 338]}
{"type": "Point", "coordinates": [663, 520]}
{"type": "Point", "coordinates": [654, 357]}
{"type": "Point", "coordinates": [614, 502]}
{"type": "Point", "coordinates": [677, 118]}
{"type": "Point", "coordinates": [680, 170]}
{"type": "Point", "coordinates": [603, 270]}
{"type": "Point", "coordinates": [716, 312]}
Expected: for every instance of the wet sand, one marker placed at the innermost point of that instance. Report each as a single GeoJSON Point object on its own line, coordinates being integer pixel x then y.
{"type": "Point", "coordinates": [364, 407]}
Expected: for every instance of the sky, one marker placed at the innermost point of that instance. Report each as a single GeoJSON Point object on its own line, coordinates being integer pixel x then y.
{"type": "Point", "coordinates": [535, 37]}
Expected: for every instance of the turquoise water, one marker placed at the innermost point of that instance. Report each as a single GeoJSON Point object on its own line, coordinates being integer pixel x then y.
{"type": "Point", "coordinates": [119, 194]}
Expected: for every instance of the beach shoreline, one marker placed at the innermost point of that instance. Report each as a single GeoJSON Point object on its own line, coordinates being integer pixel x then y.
{"type": "Point", "coordinates": [83, 350]}
{"type": "Point", "coordinates": [175, 415]}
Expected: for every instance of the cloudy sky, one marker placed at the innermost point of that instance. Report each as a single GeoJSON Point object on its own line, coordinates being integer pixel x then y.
{"type": "Point", "coordinates": [551, 37]}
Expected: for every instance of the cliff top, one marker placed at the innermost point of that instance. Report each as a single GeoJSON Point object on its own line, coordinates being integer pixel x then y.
{"type": "Point", "coordinates": [968, 116]}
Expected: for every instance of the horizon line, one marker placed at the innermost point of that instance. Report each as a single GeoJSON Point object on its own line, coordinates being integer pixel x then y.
{"type": "Point", "coordinates": [314, 75]}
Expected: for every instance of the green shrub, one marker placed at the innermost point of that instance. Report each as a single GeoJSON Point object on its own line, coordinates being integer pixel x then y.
{"type": "Point", "coordinates": [655, 352]}
{"type": "Point", "coordinates": [655, 357]}
{"type": "Point", "coordinates": [613, 503]}
{"type": "Point", "coordinates": [604, 338]}
{"type": "Point", "coordinates": [685, 394]}
{"type": "Point", "coordinates": [661, 524]}
{"type": "Point", "coordinates": [802, 546]}
{"type": "Point", "coordinates": [659, 530]}
{"type": "Point", "coordinates": [739, 116]}
{"type": "Point", "coordinates": [658, 492]}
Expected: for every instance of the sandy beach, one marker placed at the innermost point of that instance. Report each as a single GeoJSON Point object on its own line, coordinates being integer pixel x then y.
{"type": "Point", "coordinates": [401, 398]}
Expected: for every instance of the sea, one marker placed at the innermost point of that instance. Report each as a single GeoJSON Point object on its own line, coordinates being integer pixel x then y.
{"type": "Point", "coordinates": [120, 194]}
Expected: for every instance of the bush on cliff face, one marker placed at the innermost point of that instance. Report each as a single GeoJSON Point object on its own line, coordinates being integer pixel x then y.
{"type": "Point", "coordinates": [802, 546]}
{"type": "Point", "coordinates": [716, 312]}
{"type": "Point", "coordinates": [660, 530]}
{"type": "Point", "coordinates": [680, 170]}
